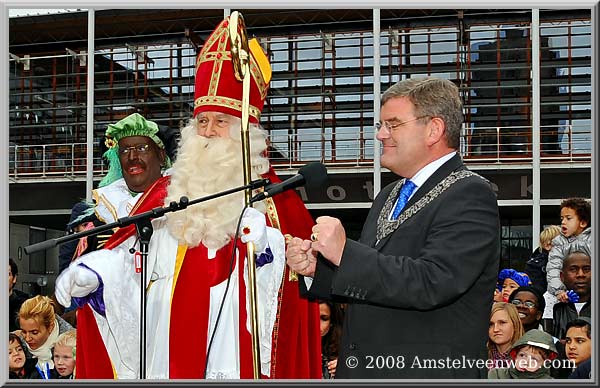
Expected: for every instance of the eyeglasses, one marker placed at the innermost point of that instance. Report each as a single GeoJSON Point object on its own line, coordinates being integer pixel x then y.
{"type": "Point", "coordinates": [390, 127]}
{"type": "Point", "coordinates": [139, 148]}
{"type": "Point", "coordinates": [529, 304]}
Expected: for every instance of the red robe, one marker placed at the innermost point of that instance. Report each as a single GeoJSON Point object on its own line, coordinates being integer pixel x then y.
{"type": "Point", "coordinates": [296, 350]}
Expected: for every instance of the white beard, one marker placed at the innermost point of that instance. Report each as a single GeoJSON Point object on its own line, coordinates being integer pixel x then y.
{"type": "Point", "coordinates": [206, 166]}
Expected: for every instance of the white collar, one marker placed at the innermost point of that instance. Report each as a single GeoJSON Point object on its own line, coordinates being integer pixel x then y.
{"type": "Point", "coordinates": [426, 172]}
{"type": "Point", "coordinates": [423, 174]}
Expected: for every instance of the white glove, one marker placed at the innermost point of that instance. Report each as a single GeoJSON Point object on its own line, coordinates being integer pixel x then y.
{"type": "Point", "coordinates": [75, 281]}
{"type": "Point", "coordinates": [254, 229]}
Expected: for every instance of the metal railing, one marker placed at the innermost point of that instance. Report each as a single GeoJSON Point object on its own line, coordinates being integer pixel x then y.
{"type": "Point", "coordinates": [564, 143]}
{"type": "Point", "coordinates": [344, 147]}
{"type": "Point", "coordinates": [51, 160]}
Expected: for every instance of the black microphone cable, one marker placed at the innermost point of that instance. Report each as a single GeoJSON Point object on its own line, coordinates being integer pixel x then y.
{"type": "Point", "coordinates": [231, 264]}
{"type": "Point", "coordinates": [313, 174]}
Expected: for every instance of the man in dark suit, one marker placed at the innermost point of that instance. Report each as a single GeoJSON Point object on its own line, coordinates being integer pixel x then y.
{"type": "Point", "coordinates": [420, 280]}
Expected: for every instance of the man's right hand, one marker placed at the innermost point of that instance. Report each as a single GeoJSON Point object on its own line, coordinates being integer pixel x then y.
{"type": "Point", "coordinates": [75, 281]}
{"type": "Point", "coordinates": [300, 257]}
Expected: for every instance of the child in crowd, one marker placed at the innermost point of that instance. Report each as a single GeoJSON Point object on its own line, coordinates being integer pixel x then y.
{"type": "Point", "coordinates": [530, 304]}
{"type": "Point", "coordinates": [64, 355]}
{"type": "Point", "coordinates": [576, 352]}
{"type": "Point", "coordinates": [530, 357]}
{"type": "Point", "coordinates": [575, 218]}
{"type": "Point", "coordinates": [536, 265]}
{"type": "Point", "coordinates": [578, 344]}
{"type": "Point", "coordinates": [508, 281]}
{"type": "Point", "coordinates": [20, 364]}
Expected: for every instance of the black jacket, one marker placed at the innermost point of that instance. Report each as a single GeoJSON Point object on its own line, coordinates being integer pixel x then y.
{"type": "Point", "coordinates": [55, 376]}
{"type": "Point", "coordinates": [424, 292]}
{"type": "Point", "coordinates": [536, 269]}
{"type": "Point", "coordinates": [564, 313]}
{"type": "Point", "coordinates": [583, 371]}
{"type": "Point", "coordinates": [15, 300]}
{"type": "Point", "coordinates": [30, 371]}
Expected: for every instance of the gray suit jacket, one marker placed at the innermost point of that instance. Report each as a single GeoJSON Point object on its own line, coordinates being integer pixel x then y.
{"type": "Point", "coordinates": [419, 300]}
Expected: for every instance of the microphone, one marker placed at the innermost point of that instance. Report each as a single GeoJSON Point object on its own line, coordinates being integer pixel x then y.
{"type": "Point", "coordinates": [312, 175]}
{"type": "Point", "coordinates": [259, 183]}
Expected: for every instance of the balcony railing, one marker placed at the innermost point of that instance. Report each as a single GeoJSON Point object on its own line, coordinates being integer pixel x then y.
{"type": "Point", "coordinates": [340, 148]}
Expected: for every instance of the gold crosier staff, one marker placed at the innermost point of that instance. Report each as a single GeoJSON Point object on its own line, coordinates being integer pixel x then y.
{"type": "Point", "coordinates": [240, 57]}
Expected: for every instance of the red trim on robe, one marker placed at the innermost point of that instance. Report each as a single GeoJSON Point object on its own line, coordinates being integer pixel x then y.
{"type": "Point", "coordinates": [198, 273]}
{"type": "Point", "coordinates": [296, 347]}
{"type": "Point", "coordinates": [92, 361]}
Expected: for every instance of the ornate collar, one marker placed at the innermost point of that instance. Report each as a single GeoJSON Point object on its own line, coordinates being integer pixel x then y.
{"type": "Point", "coordinates": [385, 226]}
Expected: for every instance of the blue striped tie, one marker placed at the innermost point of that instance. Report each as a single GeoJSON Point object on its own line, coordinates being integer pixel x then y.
{"type": "Point", "coordinates": [407, 189]}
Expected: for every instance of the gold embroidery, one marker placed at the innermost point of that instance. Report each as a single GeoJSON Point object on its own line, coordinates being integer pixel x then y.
{"type": "Point", "coordinates": [110, 143]}
{"type": "Point", "coordinates": [274, 218]}
{"type": "Point", "coordinates": [226, 102]}
{"type": "Point", "coordinates": [150, 283]}
{"type": "Point", "coordinates": [209, 43]}
{"type": "Point", "coordinates": [221, 54]}
{"type": "Point", "coordinates": [258, 78]}
{"type": "Point", "coordinates": [218, 66]}
{"type": "Point", "coordinates": [97, 201]}
{"type": "Point", "coordinates": [181, 250]}
{"type": "Point", "coordinates": [276, 326]}
{"type": "Point", "coordinates": [109, 207]}
{"type": "Point", "coordinates": [214, 56]}
{"type": "Point", "coordinates": [385, 226]}
{"type": "Point", "coordinates": [272, 213]}
{"type": "Point", "coordinates": [293, 277]}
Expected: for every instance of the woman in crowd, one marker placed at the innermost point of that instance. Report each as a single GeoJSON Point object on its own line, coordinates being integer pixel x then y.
{"type": "Point", "coordinates": [331, 332]}
{"type": "Point", "coordinates": [504, 330]}
{"type": "Point", "coordinates": [40, 328]}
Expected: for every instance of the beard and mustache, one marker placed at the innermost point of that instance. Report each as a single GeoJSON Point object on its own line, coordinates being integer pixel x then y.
{"type": "Point", "coordinates": [206, 166]}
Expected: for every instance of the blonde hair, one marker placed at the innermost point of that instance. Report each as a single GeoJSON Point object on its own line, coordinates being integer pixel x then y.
{"type": "Point", "coordinates": [40, 308]}
{"type": "Point", "coordinates": [513, 316]}
{"type": "Point", "coordinates": [68, 338]}
{"type": "Point", "coordinates": [548, 234]}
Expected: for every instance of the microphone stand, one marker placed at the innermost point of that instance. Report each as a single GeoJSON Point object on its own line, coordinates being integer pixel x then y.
{"type": "Point", "coordinates": [144, 229]}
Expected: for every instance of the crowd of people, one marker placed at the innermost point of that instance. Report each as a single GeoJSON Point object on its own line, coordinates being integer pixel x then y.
{"type": "Point", "coordinates": [520, 317]}
{"type": "Point", "coordinates": [422, 282]}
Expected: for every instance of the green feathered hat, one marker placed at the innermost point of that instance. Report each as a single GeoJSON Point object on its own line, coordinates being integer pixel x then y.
{"type": "Point", "coordinates": [133, 125]}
